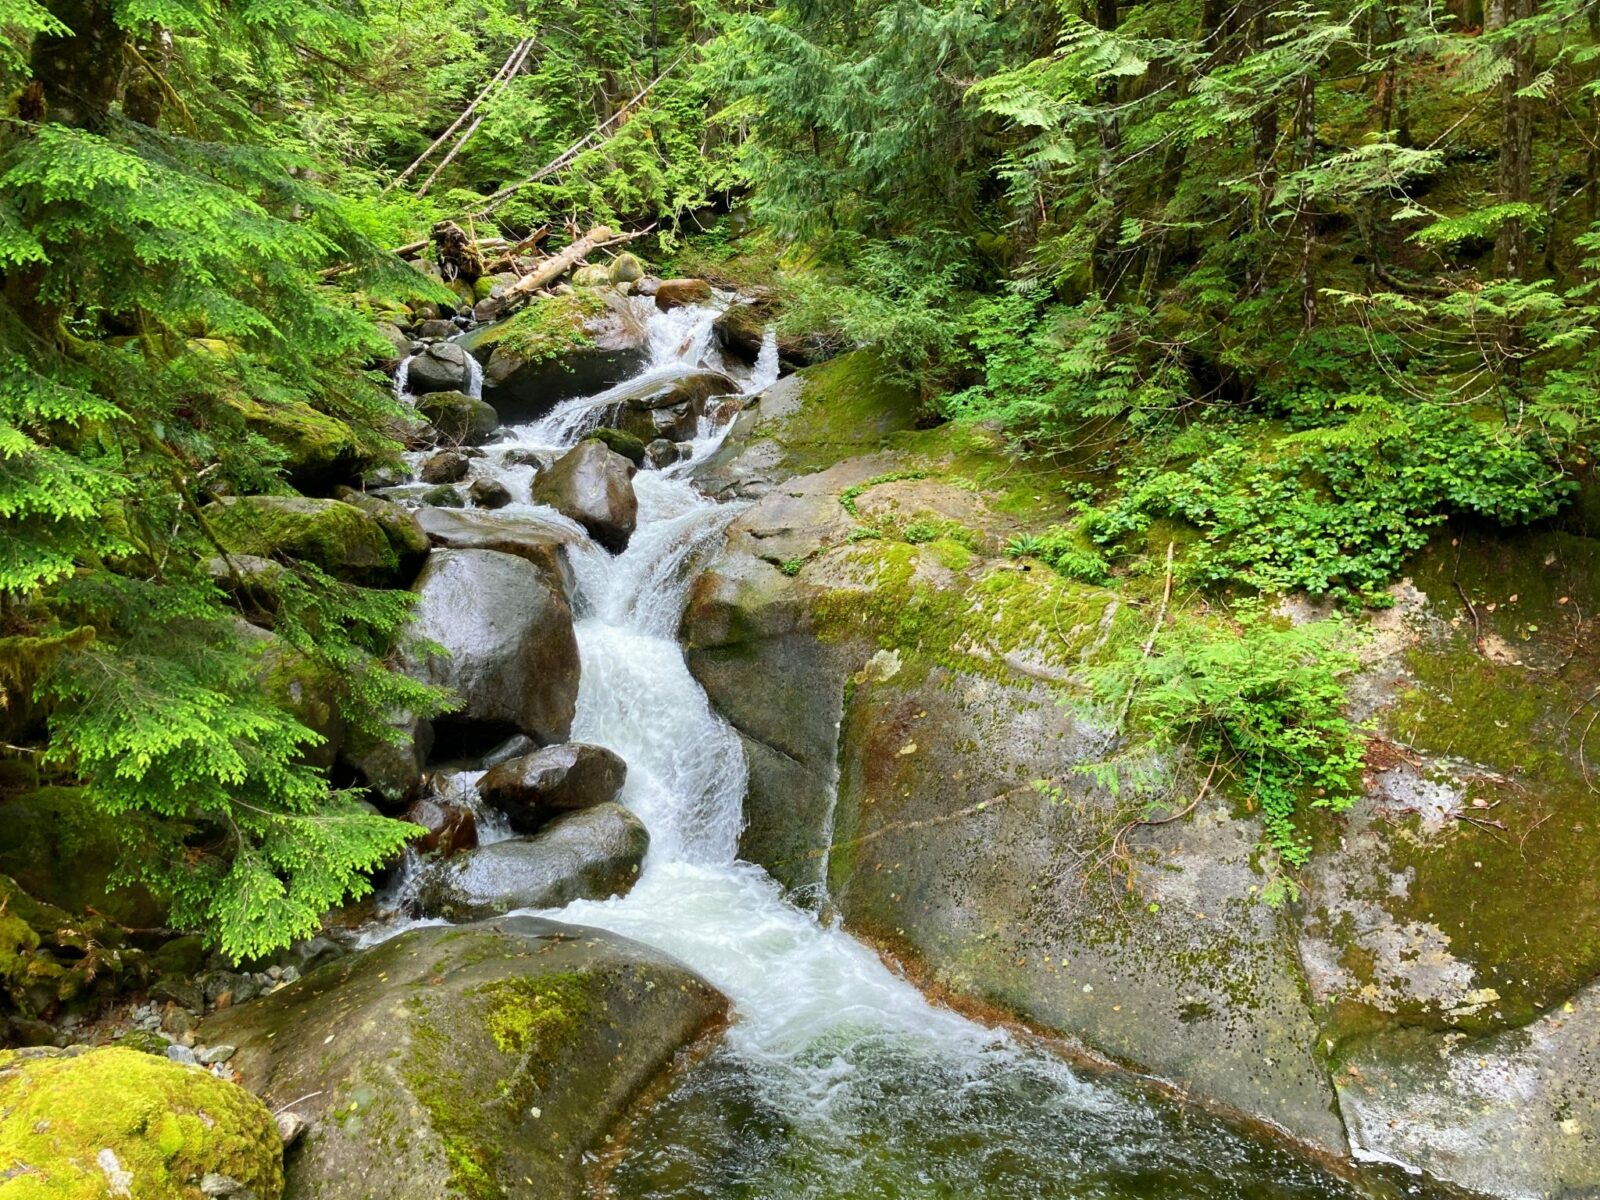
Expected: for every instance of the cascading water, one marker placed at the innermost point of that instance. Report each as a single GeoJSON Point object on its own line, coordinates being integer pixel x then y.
{"type": "Point", "coordinates": [837, 1079]}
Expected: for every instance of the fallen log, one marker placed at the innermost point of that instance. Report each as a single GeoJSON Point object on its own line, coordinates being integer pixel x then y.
{"type": "Point", "coordinates": [548, 271]}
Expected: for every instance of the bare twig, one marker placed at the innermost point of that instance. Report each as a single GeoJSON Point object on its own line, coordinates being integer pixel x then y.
{"type": "Point", "coordinates": [1455, 579]}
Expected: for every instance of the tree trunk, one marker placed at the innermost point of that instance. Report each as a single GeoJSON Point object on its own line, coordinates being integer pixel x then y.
{"type": "Point", "coordinates": [1515, 179]}
{"type": "Point", "coordinates": [1110, 130]}
{"type": "Point", "coordinates": [1305, 135]}
{"type": "Point", "coordinates": [80, 73]}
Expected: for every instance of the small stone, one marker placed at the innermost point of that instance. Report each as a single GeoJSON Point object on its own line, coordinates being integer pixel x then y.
{"type": "Point", "coordinates": [291, 1127]}
{"type": "Point", "coordinates": [290, 974]}
{"type": "Point", "coordinates": [219, 1053]}
{"type": "Point", "coordinates": [489, 493]}
{"type": "Point", "coordinates": [182, 1054]}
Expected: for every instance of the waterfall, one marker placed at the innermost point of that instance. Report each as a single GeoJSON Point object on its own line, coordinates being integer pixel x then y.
{"type": "Point", "coordinates": [837, 1078]}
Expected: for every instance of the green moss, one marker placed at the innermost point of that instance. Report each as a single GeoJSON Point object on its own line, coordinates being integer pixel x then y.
{"type": "Point", "coordinates": [621, 442]}
{"type": "Point", "coordinates": [313, 442]}
{"type": "Point", "coordinates": [534, 1015]}
{"type": "Point", "coordinates": [547, 328]}
{"type": "Point", "coordinates": [167, 1126]}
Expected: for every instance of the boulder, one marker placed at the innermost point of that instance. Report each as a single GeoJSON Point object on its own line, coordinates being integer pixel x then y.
{"type": "Point", "coordinates": [591, 275]}
{"type": "Point", "coordinates": [400, 341]}
{"type": "Point", "coordinates": [489, 493]}
{"type": "Point", "coordinates": [447, 466]}
{"type": "Point", "coordinates": [555, 348]}
{"type": "Point", "coordinates": [533, 789]}
{"type": "Point", "coordinates": [338, 537]}
{"type": "Point", "coordinates": [590, 854]}
{"type": "Point", "coordinates": [390, 767]}
{"type": "Point", "coordinates": [410, 543]}
{"type": "Point", "coordinates": [593, 485]}
{"type": "Point", "coordinates": [319, 450]}
{"type": "Point", "coordinates": [512, 658]}
{"type": "Point", "coordinates": [670, 410]}
{"type": "Point", "coordinates": [539, 542]}
{"type": "Point", "coordinates": [251, 581]}
{"type": "Point", "coordinates": [459, 418]}
{"type": "Point", "coordinates": [309, 692]}
{"type": "Point", "coordinates": [443, 496]}
{"type": "Point", "coordinates": [467, 1062]}
{"type": "Point", "coordinates": [451, 828]}
{"type": "Point", "coordinates": [661, 453]}
{"type": "Point", "coordinates": [526, 456]}
{"type": "Point", "coordinates": [118, 1122]}
{"type": "Point", "coordinates": [442, 367]}
{"type": "Point", "coordinates": [436, 329]}
{"type": "Point", "coordinates": [675, 293]}
{"type": "Point", "coordinates": [626, 268]}
{"type": "Point", "coordinates": [625, 444]}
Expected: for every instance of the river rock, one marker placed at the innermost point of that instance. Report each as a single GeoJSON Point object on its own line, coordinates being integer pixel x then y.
{"type": "Point", "coordinates": [590, 854]}
{"type": "Point", "coordinates": [625, 444]}
{"type": "Point", "coordinates": [118, 1122]}
{"type": "Point", "coordinates": [390, 767]}
{"type": "Point", "coordinates": [442, 367]}
{"type": "Point", "coordinates": [489, 493]}
{"type": "Point", "coordinates": [537, 787]}
{"type": "Point", "coordinates": [400, 526]}
{"type": "Point", "coordinates": [459, 418]}
{"type": "Point", "coordinates": [485, 1060]}
{"type": "Point", "coordinates": [529, 538]}
{"type": "Point", "coordinates": [626, 268]}
{"type": "Point", "coordinates": [593, 485]}
{"type": "Point", "coordinates": [670, 410]}
{"type": "Point", "coordinates": [448, 466]}
{"type": "Point", "coordinates": [451, 828]}
{"type": "Point", "coordinates": [332, 535]}
{"type": "Point", "coordinates": [675, 293]}
{"type": "Point", "coordinates": [436, 329]}
{"type": "Point", "coordinates": [661, 453]}
{"type": "Point", "coordinates": [512, 658]}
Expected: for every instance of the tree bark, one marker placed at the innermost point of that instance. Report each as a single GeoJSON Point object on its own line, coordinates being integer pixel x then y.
{"type": "Point", "coordinates": [1305, 130]}
{"type": "Point", "coordinates": [80, 73]}
{"type": "Point", "coordinates": [547, 272]}
{"type": "Point", "coordinates": [1515, 176]}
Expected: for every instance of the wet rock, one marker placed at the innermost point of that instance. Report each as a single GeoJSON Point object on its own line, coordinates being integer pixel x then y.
{"type": "Point", "coordinates": [435, 329]}
{"type": "Point", "coordinates": [670, 410]}
{"type": "Point", "coordinates": [590, 854]}
{"type": "Point", "coordinates": [1514, 1114]}
{"type": "Point", "coordinates": [339, 538]}
{"type": "Point", "coordinates": [433, 1032]}
{"type": "Point", "coordinates": [512, 656]}
{"type": "Point", "coordinates": [443, 496]}
{"type": "Point", "coordinates": [522, 456]}
{"type": "Point", "coordinates": [442, 367]}
{"type": "Point", "coordinates": [539, 542]}
{"type": "Point", "coordinates": [512, 747]}
{"type": "Point", "coordinates": [538, 787]}
{"type": "Point", "coordinates": [448, 466]}
{"type": "Point", "coordinates": [675, 293]}
{"type": "Point", "coordinates": [593, 485]}
{"type": "Point", "coordinates": [390, 768]}
{"type": "Point", "coordinates": [459, 418]}
{"type": "Point", "coordinates": [451, 827]}
{"type": "Point", "coordinates": [410, 543]}
{"type": "Point", "coordinates": [625, 444]}
{"type": "Point", "coordinates": [112, 1122]}
{"type": "Point", "coordinates": [489, 493]}
{"type": "Point", "coordinates": [661, 453]}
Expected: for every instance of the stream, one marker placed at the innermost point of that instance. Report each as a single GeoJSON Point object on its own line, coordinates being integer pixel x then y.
{"type": "Point", "coordinates": [837, 1077]}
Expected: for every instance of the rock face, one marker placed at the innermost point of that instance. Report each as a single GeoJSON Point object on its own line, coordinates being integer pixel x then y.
{"type": "Point", "coordinates": [468, 1062]}
{"type": "Point", "coordinates": [338, 537]}
{"type": "Point", "coordinates": [116, 1122]}
{"type": "Point", "coordinates": [442, 367]}
{"type": "Point", "coordinates": [533, 789]}
{"type": "Point", "coordinates": [590, 854]}
{"type": "Point", "coordinates": [594, 486]}
{"type": "Point", "coordinates": [513, 659]}
{"type": "Point", "coordinates": [459, 418]}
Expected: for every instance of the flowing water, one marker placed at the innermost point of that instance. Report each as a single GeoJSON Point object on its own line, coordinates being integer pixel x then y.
{"type": "Point", "coordinates": [837, 1079]}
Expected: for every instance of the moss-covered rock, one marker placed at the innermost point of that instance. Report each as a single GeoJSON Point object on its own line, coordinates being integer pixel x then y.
{"type": "Point", "coordinates": [459, 418]}
{"type": "Point", "coordinates": [319, 450]}
{"type": "Point", "coordinates": [474, 1062]}
{"type": "Point", "coordinates": [338, 537]}
{"type": "Point", "coordinates": [625, 444]}
{"type": "Point", "coordinates": [115, 1122]}
{"type": "Point", "coordinates": [400, 526]}
{"type": "Point", "coordinates": [52, 959]}
{"type": "Point", "coordinates": [61, 850]}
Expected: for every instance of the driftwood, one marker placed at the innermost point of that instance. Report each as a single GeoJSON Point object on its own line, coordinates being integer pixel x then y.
{"type": "Point", "coordinates": [549, 270]}
{"type": "Point", "coordinates": [457, 254]}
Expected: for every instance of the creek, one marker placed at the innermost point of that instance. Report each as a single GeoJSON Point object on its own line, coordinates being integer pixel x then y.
{"type": "Point", "coordinates": [837, 1077]}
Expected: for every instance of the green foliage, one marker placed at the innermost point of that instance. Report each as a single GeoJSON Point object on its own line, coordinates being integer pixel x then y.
{"type": "Point", "coordinates": [1257, 704]}
{"type": "Point", "coordinates": [1063, 548]}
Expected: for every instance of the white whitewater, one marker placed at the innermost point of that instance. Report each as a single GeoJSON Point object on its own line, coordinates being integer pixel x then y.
{"type": "Point", "coordinates": [838, 1079]}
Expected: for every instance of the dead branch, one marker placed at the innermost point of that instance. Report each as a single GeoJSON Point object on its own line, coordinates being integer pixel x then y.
{"type": "Point", "coordinates": [549, 270]}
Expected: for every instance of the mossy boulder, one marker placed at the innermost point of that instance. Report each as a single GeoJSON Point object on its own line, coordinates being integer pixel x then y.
{"type": "Point", "coordinates": [117, 1122]}
{"type": "Point", "coordinates": [337, 537]}
{"type": "Point", "coordinates": [459, 418]}
{"type": "Point", "coordinates": [319, 450]}
{"type": "Point", "coordinates": [626, 268]}
{"type": "Point", "coordinates": [61, 850]}
{"type": "Point", "coordinates": [625, 444]}
{"type": "Point", "coordinates": [400, 526]}
{"type": "Point", "coordinates": [472, 1062]}
{"type": "Point", "coordinates": [51, 959]}
{"type": "Point", "coordinates": [555, 348]}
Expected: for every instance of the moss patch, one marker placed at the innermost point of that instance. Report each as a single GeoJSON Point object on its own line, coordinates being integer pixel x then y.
{"type": "Point", "coordinates": [547, 328]}
{"type": "Point", "coordinates": [70, 1122]}
{"type": "Point", "coordinates": [338, 537]}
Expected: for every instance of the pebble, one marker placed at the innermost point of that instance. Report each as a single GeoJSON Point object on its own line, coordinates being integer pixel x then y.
{"type": "Point", "coordinates": [290, 1127]}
